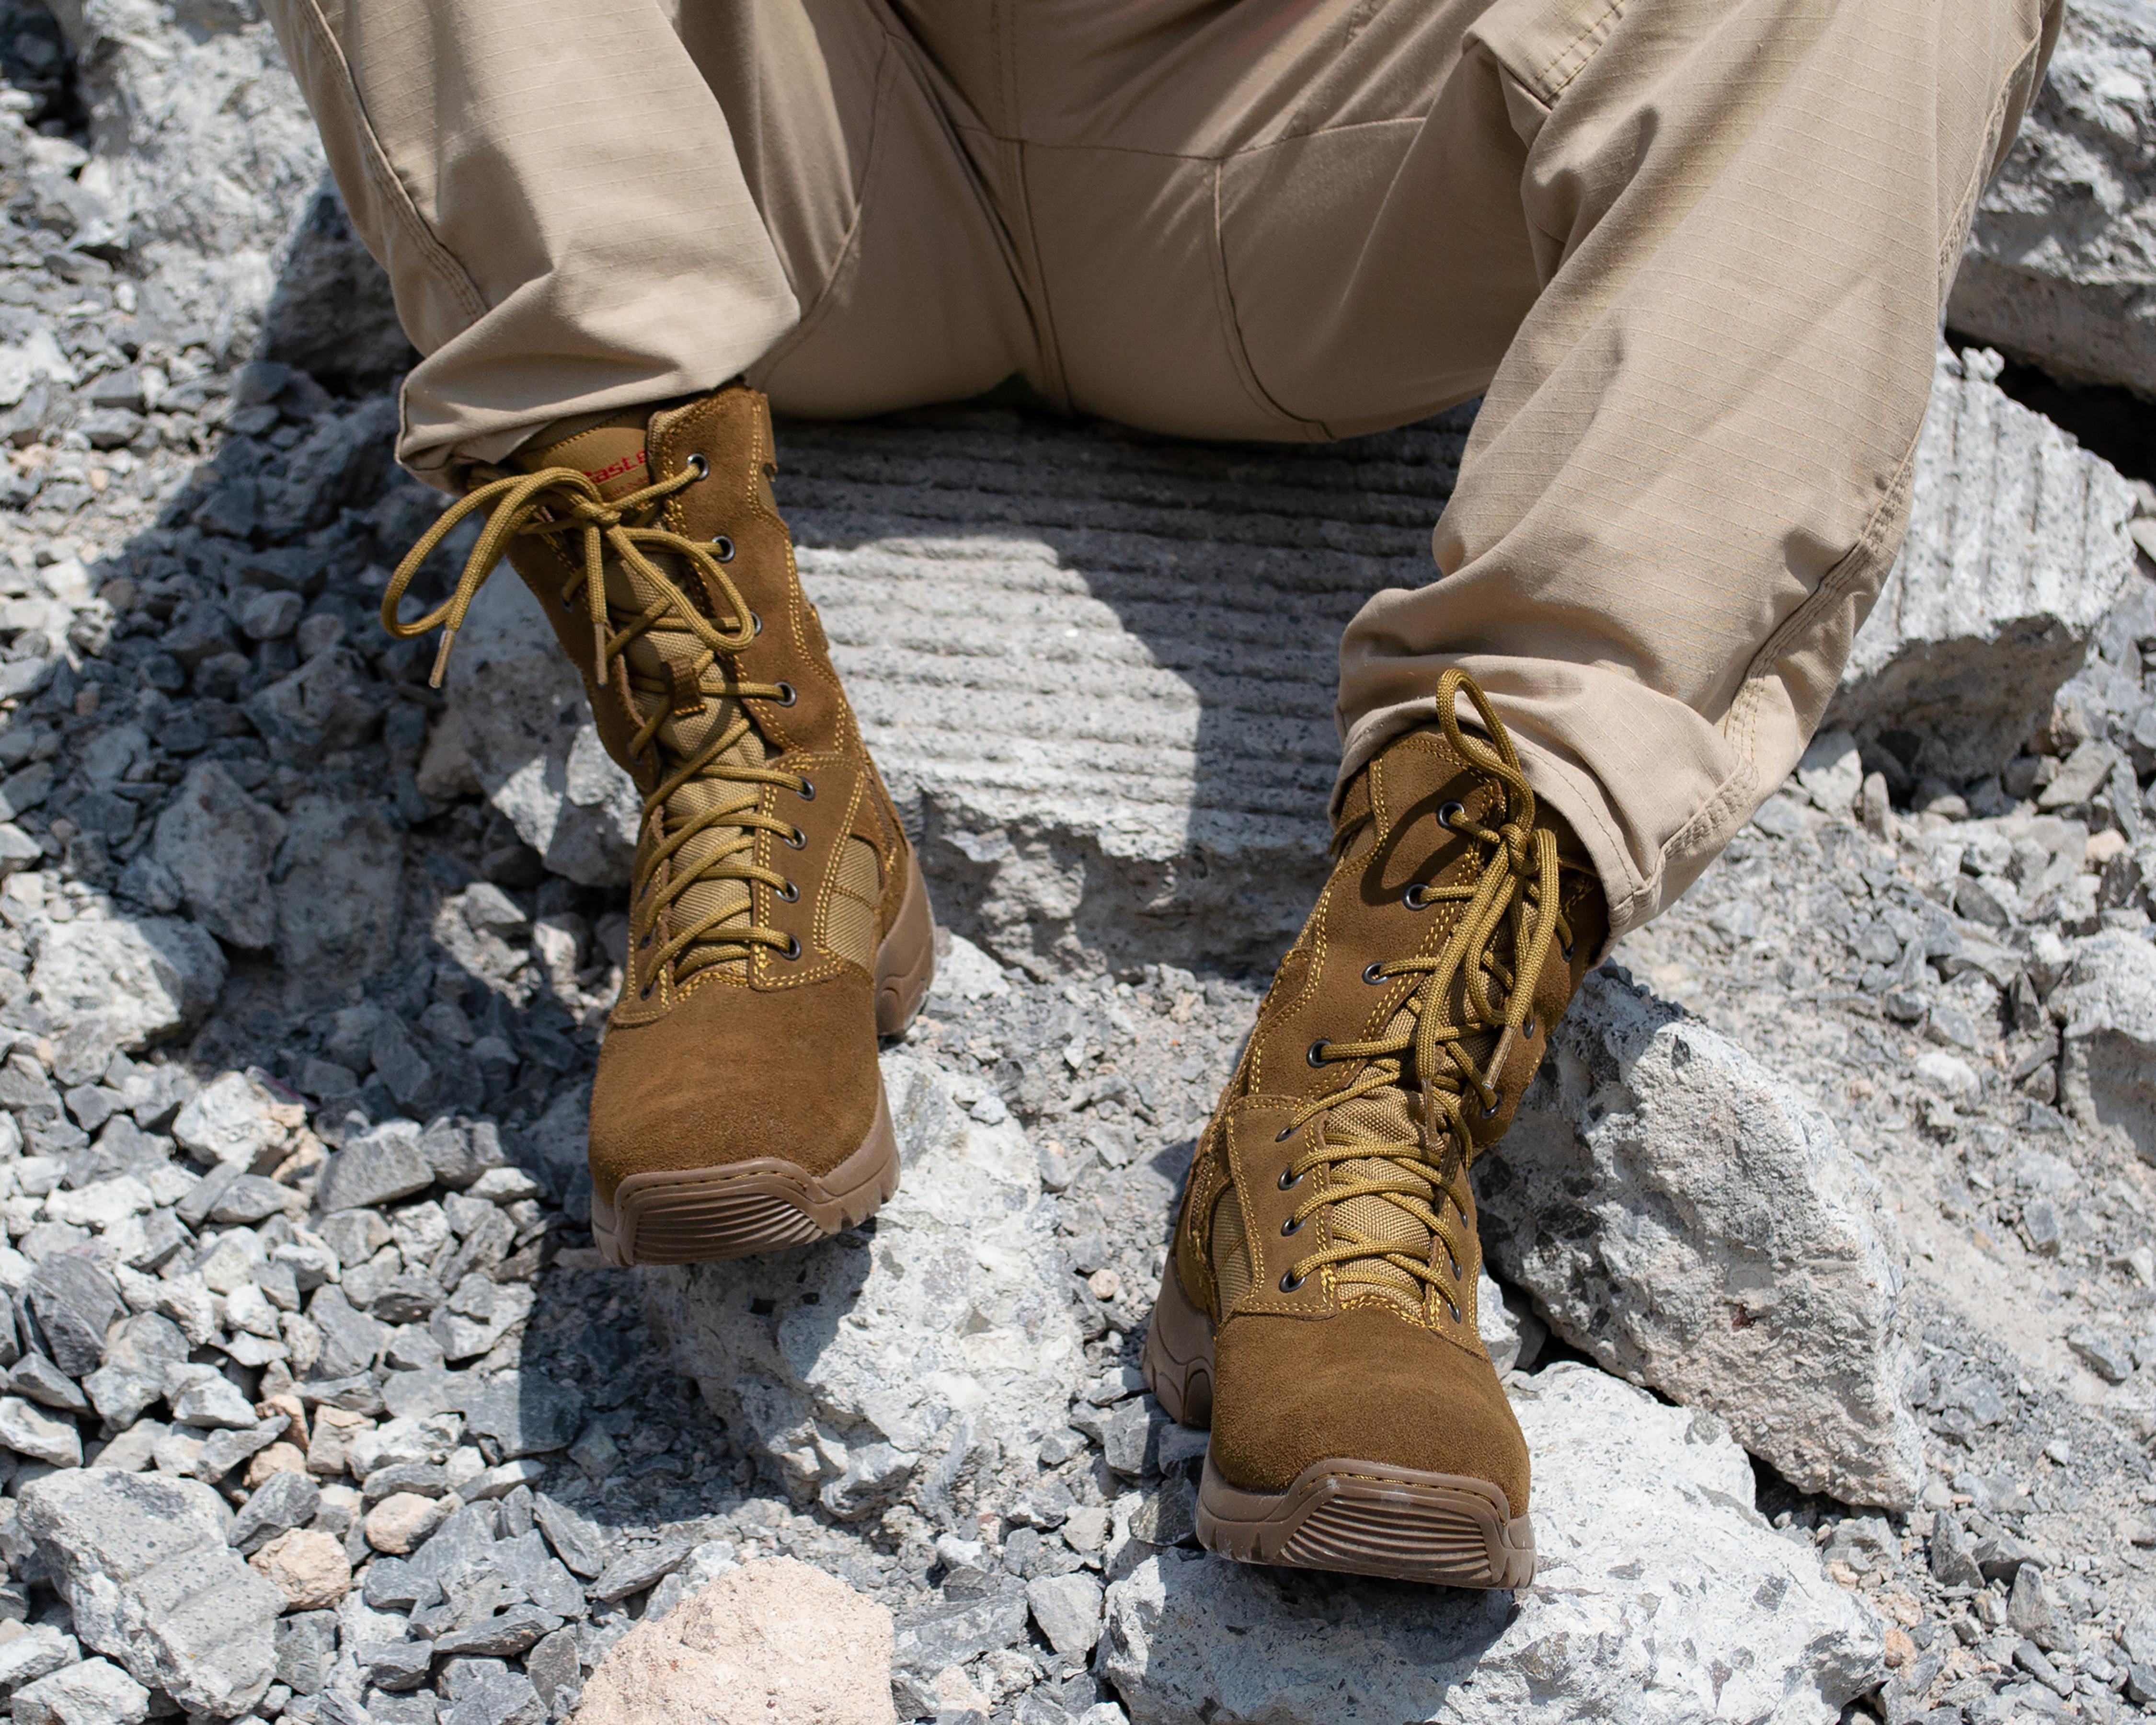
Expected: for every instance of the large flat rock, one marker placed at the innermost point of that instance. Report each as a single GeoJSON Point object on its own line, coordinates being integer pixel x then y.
{"type": "Point", "coordinates": [1683, 1215]}
{"type": "Point", "coordinates": [1659, 1596]}
{"type": "Point", "coordinates": [924, 1360]}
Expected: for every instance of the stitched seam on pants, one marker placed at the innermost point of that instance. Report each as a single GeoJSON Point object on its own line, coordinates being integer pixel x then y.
{"type": "Point", "coordinates": [1231, 328]}
{"type": "Point", "coordinates": [1569, 62]}
{"type": "Point", "coordinates": [439, 257]}
{"type": "Point", "coordinates": [1741, 726]}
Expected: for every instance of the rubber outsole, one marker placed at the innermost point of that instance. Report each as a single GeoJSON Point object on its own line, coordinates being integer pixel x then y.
{"type": "Point", "coordinates": [736, 1209]}
{"type": "Point", "coordinates": [1340, 1513]}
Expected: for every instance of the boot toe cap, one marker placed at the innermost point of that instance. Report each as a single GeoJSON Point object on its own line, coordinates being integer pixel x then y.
{"type": "Point", "coordinates": [1360, 1385]}
{"type": "Point", "coordinates": [730, 1075]}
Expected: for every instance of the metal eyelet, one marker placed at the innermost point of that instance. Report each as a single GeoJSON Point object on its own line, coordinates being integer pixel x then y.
{"type": "Point", "coordinates": [699, 466]}
{"type": "Point", "coordinates": [1452, 1262]}
{"type": "Point", "coordinates": [786, 695]}
{"type": "Point", "coordinates": [1293, 1224]}
{"type": "Point", "coordinates": [1454, 1309]}
{"type": "Point", "coordinates": [644, 993]}
{"type": "Point", "coordinates": [806, 790]}
{"type": "Point", "coordinates": [1416, 897]}
{"type": "Point", "coordinates": [1567, 951]}
{"type": "Point", "coordinates": [1527, 1029]}
{"type": "Point", "coordinates": [645, 941]}
{"type": "Point", "coordinates": [725, 549]}
{"type": "Point", "coordinates": [792, 949]}
{"type": "Point", "coordinates": [789, 893]}
{"type": "Point", "coordinates": [1312, 1054]}
{"type": "Point", "coordinates": [1283, 1135]}
{"type": "Point", "coordinates": [1490, 1112]}
{"type": "Point", "coordinates": [1374, 972]}
{"type": "Point", "coordinates": [1451, 811]}
{"type": "Point", "coordinates": [755, 625]}
{"type": "Point", "coordinates": [795, 840]}
{"type": "Point", "coordinates": [1289, 1284]}
{"type": "Point", "coordinates": [1288, 1181]}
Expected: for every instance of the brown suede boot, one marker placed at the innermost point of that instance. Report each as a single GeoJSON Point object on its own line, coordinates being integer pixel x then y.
{"type": "Point", "coordinates": [1318, 1308]}
{"type": "Point", "coordinates": [777, 919]}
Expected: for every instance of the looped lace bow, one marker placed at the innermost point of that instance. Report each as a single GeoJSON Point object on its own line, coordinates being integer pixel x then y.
{"type": "Point", "coordinates": [563, 503]}
{"type": "Point", "coordinates": [1465, 1019]}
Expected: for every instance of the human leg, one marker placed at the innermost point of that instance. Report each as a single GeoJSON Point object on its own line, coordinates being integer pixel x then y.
{"type": "Point", "coordinates": [594, 215]}
{"type": "Point", "coordinates": [1684, 484]}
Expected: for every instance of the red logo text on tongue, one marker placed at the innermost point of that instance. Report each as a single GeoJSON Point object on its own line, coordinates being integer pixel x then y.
{"type": "Point", "coordinates": [615, 470]}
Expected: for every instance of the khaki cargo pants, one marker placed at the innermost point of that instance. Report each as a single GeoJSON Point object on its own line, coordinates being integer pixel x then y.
{"type": "Point", "coordinates": [1693, 252]}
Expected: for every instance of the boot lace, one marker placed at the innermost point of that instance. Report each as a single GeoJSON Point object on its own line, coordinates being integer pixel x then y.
{"type": "Point", "coordinates": [561, 503]}
{"type": "Point", "coordinates": [1464, 1019]}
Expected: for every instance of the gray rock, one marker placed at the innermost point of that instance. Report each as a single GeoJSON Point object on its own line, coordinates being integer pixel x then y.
{"type": "Point", "coordinates": [577, 1541]}
{"type": "Point", "coordinates": [202, 1395]}
{"type": "Point", "coordinates": [1659, 1529]}
{"type": "Point", "coordinates": [554, 1669]}
{"type": "Point", "coordinates": [502, 1636]}
{"type": "Point", "coordinates": [1067, 1609]}
{"type": "Point", "coordinates": [2061, 261]}
{"type": "Point", "coordinates": [1953, 1564]}
{"type": "Point", "coordinates": [352, 1341]}
{"type": "Point", "coordinates": [142, 1562]}
{"type": "Point", "coordinates": [525, 1413]}
{"type": "Point", "coordinates": [138, 979]}
{"type": "Point", "coordinates": [224, 1451]}
{"type": "Point", "coordinates": [140, 1351]}
{"type": "Point", "coordinates": [281, 1502]}
{"type": "Point", "coordinates": [2017, 545]}
{"type": "Point", "coordinates": [2109, 1357]}
{"type": "Point", "coordinates": [942, 1636]}
{"type": "Point", "coordinates": [339, 883]}
{"type": "Point", "coordinates": [38, 1652]}
{"type": "Point", "coordinates": [326, 705]}
{"type": "Point", "coordinates": [74, 1301]}
{"type": "Point", "coordinates": [271, 616]}
{"type": "Point", "coordinates": [37, 1433]}
{"type": "Point", "coordinates": [229, 1120]}
{"type": "Point", "coordinates": [638, 1568]}
{"type": "Point", "coordinates": [2107, 1077]}
{"type": "Point", "coordinates": [519, 729]}
{"type": "Point", "coordinates": [500, 1698]}
{"type": "Point", "coordinates": [1684, 1216]}
{"type": "Point", "coordinates": [467, 1534]}
{"type": "Point", "coordinates": [2031, 1612]}
{"type": "Point", "coordinates": [219, 843]}
{"type": "Point", "coordinates": [396, 1666]}
{"type": "Point", "coordinates": [93, 1692]}
{"type": "Point", "coordinates": [892, 1400]}
{"type": "Point", "coordinates": [251, 1199]}
{"type": "Point", "coordinates": [526, 1563]}
{"type": "Point", "coordinates": [38, 1379]}
{"type": "Point", "coordinates": [385, 1165]}
{"type": "Point", "coordinates": [463, 1330]}
{"type": "Point", "coordinates": [306, 1650]}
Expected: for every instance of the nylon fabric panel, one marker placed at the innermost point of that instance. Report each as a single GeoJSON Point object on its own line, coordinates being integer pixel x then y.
{"type": "Point", "coordinates": [1231, 1254]}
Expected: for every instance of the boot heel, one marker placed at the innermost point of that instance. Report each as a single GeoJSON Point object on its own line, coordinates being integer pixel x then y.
{"type": "Point", "coordinates": [1177, 1362]}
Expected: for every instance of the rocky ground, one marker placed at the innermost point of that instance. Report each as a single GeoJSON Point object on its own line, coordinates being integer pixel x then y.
{"type": "Point", "coordinates": [1830, 1301]}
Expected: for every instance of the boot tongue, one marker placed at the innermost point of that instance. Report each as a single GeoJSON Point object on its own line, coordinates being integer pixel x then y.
{"type": "Point", "coordinates": [609, 449]}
